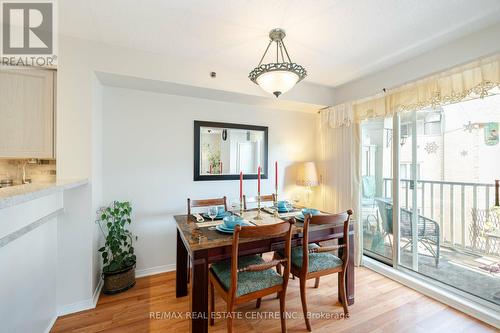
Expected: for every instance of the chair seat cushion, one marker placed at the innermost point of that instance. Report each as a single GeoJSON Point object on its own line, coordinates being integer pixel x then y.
{"type": "Point", "coordinates": [248, 282]}
{"type": "Point", "coordinates": [317, 261]}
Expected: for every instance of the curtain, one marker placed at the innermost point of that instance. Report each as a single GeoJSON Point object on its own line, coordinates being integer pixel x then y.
{"type": "Point", "coordinates": [339, 165]}
{"type": "Point", "coordinates": [472, 80]}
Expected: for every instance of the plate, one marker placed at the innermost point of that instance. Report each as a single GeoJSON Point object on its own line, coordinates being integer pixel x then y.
{"type": "Point", "coordinates": [218, 217]}
{"type": "Point", "coordinates": [226, 230]}
{"type": "Point", "coordinates": [300, 217]}
{"type": "Point", "coordinates": [283, 210]}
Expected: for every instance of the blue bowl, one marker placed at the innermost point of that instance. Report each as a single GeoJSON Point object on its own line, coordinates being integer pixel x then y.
{"type": "Point", "coordinates": [232, 220]}
{"type": "Point", "coordinates": [311, 211]}
{"type": "Point", "coordinates": [282, 204]}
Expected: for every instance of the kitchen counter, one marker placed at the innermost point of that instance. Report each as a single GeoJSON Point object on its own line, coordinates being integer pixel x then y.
{"type": "Point", "coordinates": [15, 195]}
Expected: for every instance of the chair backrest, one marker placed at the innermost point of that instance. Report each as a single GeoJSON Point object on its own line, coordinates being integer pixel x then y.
{"type": "Point", "coordinates": [263, 198]}
{"type": "Point", "coordinates": [368, 187]}
{"type": "Point", "coordinates": [385, 210]}
{"type": "Point", "coordinates": [283, 229]}
{"type": "Point", "coordinates": [334, 219]}
{"type": "Point", "coordinates": [206, 202]}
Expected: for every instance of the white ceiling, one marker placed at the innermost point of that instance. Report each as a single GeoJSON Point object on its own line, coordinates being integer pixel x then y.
{"type": "Point", "coordinates": [337, 41]}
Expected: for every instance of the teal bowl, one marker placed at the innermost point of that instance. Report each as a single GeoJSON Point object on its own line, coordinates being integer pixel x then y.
{"type": "Point", "coordinates": [311, 211]}
{"type": "Point", "coordinates": [231, 221]}
{"type": "Point", "coordinates": [282, 204]}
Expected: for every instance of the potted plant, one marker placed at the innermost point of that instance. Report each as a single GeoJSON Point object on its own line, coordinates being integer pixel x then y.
{"type": "Point", "coordinates": [117, 253]}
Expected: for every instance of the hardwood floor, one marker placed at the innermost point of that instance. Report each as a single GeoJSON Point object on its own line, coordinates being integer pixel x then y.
{"type": "Point", "coordinates": [382, 305]}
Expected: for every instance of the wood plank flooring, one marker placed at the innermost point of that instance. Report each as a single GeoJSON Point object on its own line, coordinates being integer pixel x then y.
{"type": "Point", "coordinates": [382, 305]}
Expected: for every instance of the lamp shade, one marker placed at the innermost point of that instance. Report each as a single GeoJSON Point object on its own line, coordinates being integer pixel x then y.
{"type": "Point", "coordinates": [307, 175]}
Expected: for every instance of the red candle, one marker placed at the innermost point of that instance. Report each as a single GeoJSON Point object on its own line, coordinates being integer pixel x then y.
{"type": "Point", "coordinates": [276, 175]}
{"type": "Point", "coordinates": [210, 168]}
{"type": "Point", "coordinates": [241, 186]}
{"type": "Point", "coordinates": [258, 181]}
{"type": "Point", "coordinates": [220, 168]}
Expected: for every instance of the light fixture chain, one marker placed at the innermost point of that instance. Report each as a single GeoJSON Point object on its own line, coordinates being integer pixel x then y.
{"type": "Point", "coordinates": [277, 52]}
{"type": "Point", "coordinates": [265, 52]}
{"type": "Point", "coordinates": [281, 50]}
{"type": "Point", "coordinates": [289, 60]}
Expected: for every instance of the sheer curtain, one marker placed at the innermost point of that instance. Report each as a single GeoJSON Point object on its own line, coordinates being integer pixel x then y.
{"type": "Point", "coordinates": [339, 165]}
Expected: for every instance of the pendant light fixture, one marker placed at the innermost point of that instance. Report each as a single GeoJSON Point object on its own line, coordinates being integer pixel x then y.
{"type": "Point", "coordinates": [277, 77]}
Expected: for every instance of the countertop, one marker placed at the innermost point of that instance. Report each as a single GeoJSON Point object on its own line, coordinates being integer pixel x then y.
{"type": "Point", "coordinates": [14, 195]}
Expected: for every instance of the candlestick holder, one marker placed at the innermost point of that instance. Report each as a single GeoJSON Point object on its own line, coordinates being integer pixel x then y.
{"type": "Point", "coordinates": [241, 208]}
{"type": "Point", "coordinates": [259, 216]}
{"type": "Point", "coordinates": [276, 212]}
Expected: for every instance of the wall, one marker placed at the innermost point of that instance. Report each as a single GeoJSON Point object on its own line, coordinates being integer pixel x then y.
{"type": "Point", "coordinates": [148, 159]}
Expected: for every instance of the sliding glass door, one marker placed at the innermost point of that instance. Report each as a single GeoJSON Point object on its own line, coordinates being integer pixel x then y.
{"type": "Point", "coordinates": [376, 192]}
{"type": "Point", "coordinates": [448, 158]}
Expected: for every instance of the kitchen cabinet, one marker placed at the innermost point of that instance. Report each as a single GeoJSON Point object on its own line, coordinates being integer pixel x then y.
{"type": "Point", "coordinates": [27, 113]}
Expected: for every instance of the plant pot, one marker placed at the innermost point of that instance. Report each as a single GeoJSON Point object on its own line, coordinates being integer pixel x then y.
{"type": "Point", "coordinates": [118, 281]}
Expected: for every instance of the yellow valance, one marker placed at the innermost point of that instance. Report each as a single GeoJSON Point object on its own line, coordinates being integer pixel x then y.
{"type": "Point", "coordinates": [473, 80]}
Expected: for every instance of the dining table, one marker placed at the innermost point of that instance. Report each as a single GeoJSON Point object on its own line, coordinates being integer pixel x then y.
{"type": "Point", "coordinates": [199, 245]}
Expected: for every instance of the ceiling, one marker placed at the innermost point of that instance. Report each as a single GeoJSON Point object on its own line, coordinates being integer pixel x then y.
{"type": "Point", "coordinates": [337, 41]}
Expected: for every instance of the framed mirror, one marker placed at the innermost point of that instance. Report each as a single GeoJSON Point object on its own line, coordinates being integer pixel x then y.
{"type": "Point", "coordinates": [222, 150]}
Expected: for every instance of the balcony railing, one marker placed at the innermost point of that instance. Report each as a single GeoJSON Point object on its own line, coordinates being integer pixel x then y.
{"type": "Point", "coordinates": [454, 205]}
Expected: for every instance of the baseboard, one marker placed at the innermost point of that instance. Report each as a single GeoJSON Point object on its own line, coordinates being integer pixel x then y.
{"type": "Point", "coordinates": [97, 292]}
{"type": "Point", "coordinates": [51, 324]}
{"type": "Point", "coordinates": [154, 270]}
{"type": "Point", "coordinates": [441, 294]}
{"type": "Point", "coordinates": [91, 303]}
{"type": "Point", "coordinates": [83, 305]}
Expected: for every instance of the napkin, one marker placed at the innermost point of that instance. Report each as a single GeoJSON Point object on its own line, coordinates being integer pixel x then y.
{"type": "Point", "coordinates": [198, 217]}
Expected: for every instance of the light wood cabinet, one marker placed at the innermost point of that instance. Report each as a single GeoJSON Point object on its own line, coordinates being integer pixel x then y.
{"type": "Point", "coordinates": [27, 114]}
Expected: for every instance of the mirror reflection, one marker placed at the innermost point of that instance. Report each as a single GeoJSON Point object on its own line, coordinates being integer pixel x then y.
{"type": "Point", "coordinates": [227, 151]}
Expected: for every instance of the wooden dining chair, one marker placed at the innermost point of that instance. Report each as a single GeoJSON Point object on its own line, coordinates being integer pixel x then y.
{"type": "Point", "coordinates": [311, 261]}
{"type": "Point", "coordinates": [242, 279]}
{"type": "Point", "coordinates": [203, 203]}
{"type": "Point", "coordinates": [263, 198]}
{"type": "Point", "coordinates": [206, 203]}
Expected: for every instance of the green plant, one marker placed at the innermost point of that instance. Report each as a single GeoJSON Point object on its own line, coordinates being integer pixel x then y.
{"type": "Point", "coordinates": [213, 157]}
{"type": "Point", "coordinates": [117, 252]}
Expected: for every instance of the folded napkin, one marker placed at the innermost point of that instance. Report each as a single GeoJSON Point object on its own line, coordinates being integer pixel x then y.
{"type": "Point", "coordinates": [209, 223]}
{"type": "Point", "coordinates": [198, 217]}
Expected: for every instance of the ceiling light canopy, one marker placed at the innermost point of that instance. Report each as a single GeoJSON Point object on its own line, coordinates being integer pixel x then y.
{"type": "Point", "coordinates": [277, 77]}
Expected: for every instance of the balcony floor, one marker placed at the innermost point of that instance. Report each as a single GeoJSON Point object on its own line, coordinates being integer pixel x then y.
{"type": "Point", "coordinates": [463, 270]}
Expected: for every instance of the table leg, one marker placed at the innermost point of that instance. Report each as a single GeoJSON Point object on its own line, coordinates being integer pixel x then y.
{"type": "Point", "coordinates": [349, 279]}
{"type": "Point", "coordinates": [181, 268]}
{"type": "Point", "coordinates": [199, 292]}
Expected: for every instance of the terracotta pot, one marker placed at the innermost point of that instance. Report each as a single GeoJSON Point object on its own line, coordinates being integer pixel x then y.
{"type": "Point", "coordinates": [118, 281]}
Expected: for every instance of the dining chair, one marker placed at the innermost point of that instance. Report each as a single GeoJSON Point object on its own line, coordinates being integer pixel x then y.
{"type": "Point", "coordinates": [255, 199]}
{"type": "Point", "coordinates": [311, 261]}
{"type": "Point", "coordinates": [203, 203]}
{"type": "Point", "coordinates": [242, 279]}
{"type": "Point", "coordinates": [206, 203]}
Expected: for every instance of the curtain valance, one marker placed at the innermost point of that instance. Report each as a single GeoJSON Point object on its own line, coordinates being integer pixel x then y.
{"type": "Point", "coordinates": [473, 80]}
{"type": "Point", "coordinates": [337, 116]}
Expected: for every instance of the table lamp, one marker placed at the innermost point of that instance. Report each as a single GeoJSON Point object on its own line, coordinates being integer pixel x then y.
{"type": "Point", "coordinates": [308, 177]}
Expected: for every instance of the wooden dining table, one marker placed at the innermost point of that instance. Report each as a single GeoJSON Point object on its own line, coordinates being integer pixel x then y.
{"type": "Point", "coordinates": [202, 245]}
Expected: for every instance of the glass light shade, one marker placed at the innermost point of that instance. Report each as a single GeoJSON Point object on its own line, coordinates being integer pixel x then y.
{"type": "Point", "coordinates": [277, 82]}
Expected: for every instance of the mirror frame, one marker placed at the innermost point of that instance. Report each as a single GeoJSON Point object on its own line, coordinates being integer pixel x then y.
{"type": "Point", "coordinates": [196, 169]}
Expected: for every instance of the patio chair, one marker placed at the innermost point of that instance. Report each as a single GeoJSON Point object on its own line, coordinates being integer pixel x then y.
{"type": "Point", "coordinates": [427, 229]}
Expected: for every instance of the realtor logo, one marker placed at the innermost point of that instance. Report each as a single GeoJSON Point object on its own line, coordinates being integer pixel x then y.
{"type": "Point", "coordinates": [27, 33]}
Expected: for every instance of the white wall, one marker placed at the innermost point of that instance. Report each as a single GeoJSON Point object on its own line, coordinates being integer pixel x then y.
{"type": "Point", "coordinates": [148, 159]}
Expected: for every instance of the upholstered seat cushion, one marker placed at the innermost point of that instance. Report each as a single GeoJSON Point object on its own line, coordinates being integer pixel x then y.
{"type": "Point", "coordinates": [317, 261]}
{"type": "Point", "coordinates": [248, 282]}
